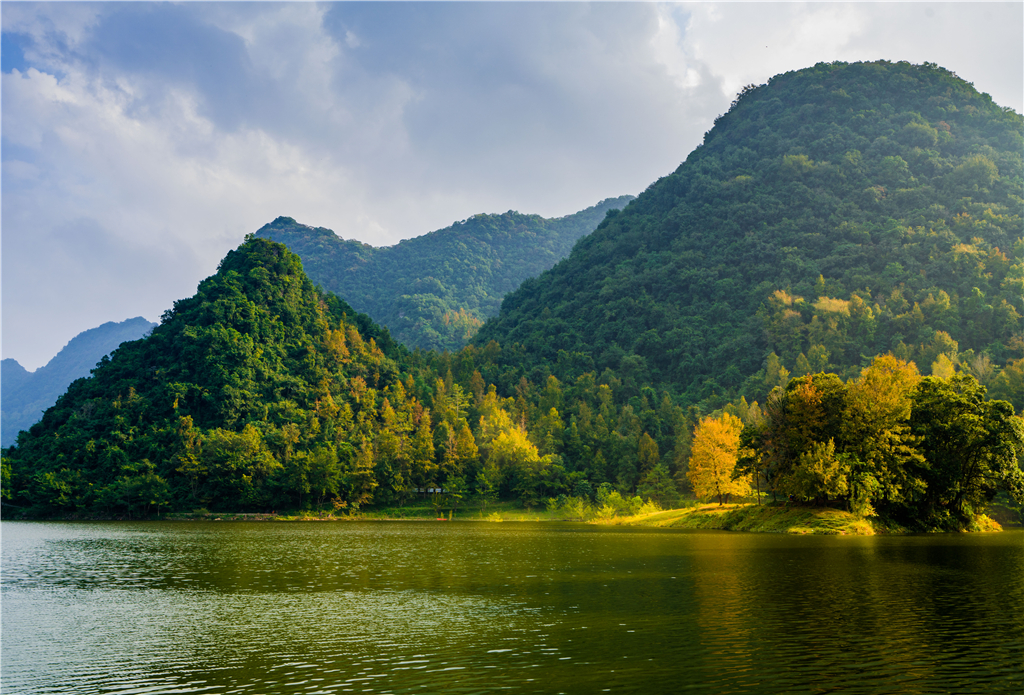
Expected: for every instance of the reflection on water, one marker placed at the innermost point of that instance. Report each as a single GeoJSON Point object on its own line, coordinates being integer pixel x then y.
{"type": "Point", "coordinates": [193, 607]}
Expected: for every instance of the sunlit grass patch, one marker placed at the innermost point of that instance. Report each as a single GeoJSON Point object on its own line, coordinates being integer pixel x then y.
{"type": "Point", "coordinates": [760, 519]}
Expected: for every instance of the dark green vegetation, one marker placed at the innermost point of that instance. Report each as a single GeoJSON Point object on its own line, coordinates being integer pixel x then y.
{"type": "Point", "coordinates": [26, 395]}
{"type": "Point", "coordinates": [834, 215]}
{"type": "Point", "coordinates": [927, 453]}
{"type": "Point", "coordinates": [434, 291]}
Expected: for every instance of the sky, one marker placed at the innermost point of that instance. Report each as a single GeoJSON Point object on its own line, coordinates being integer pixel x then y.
{"type": "Point", "coordinates": [142, 141]}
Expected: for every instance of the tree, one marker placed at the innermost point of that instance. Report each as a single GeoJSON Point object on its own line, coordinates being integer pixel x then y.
{"type": "Point", "coordinates": [716, 444]}
{"type": "Point", "coordinates": [820, 474]}
{"type": "Point", "coordinates": [423, 467]}
{"type": "Point", "coordinates": [972, 446]}
{"type": "Point", "coordinates": [764, 452]}
{"type": "Point", "coordinates": [455, 490]}
{"type": "Point", "coordinates": [876, 432]}
{"type": "Point", "coordinates": [188, 455]}
{"type": "Point", "coordinates": [488, 481]}
{"type": "Point", "coordinates": [647, 453]}
{"type": "Point", "coordinates": [659, 487]}
{"type": "Point", "coordinates": [324, 474]}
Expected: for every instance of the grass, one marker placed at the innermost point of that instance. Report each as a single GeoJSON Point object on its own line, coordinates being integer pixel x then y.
{"type": "Point", "coordinates": [759, 519]}
{"type": "Point", "coordinates": [753, 518]}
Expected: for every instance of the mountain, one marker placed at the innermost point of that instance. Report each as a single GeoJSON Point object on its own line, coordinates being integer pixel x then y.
{"type": "Point", "coordinates": [27, 394]}
{"type": "Point", "coordinates": [233, 400]}
{"type": "Point", "coordinates": [833, 214]}
{"type": "Point", "coordinates": [434, 291]}
{"type": "Point", "coordinates": [263, 392]}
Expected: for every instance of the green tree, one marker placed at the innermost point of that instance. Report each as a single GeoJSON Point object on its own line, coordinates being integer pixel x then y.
{"type": "Point", "coordinates": [657, 485]}
{"type": "Point", "coordinates": [972, 446]}
{"type": "Point", "coordinates": [820, 474]}
{"type": "Point", "coordinates": [876, 432]}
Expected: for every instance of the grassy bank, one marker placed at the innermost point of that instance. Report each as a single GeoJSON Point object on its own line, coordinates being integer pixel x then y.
{"type": "Point", "coordinates": [413, 511]}
{"type": "Point", "coordinates": [730, 517]}
{"type": "Point", "coordinates": [766, 518]}
{"type": "Point", "coordinates": [759, 519]}
{"type": "Point", "coordinates": [779, 519]}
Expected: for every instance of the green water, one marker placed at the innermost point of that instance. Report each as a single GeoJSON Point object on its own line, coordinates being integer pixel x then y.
{"type": "Point", "coordinates": [408, 607]}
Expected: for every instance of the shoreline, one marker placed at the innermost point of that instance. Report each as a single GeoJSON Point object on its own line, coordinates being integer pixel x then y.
{"type": "Point", "coordinates": [744, 517]}
{"type": "Point", "coordinates": [793, 520]}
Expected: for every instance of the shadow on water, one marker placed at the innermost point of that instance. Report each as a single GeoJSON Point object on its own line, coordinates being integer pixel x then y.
{"type": "Point", "coordinates": [473, 607]}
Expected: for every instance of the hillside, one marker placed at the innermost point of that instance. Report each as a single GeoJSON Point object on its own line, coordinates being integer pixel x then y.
{"type": "Point", "coordinates": [434, 291]}
{"type": "Point", "coordinates": [833, 214]}
{"type": "Point", "coordinates": [858, 219]}
{"type": "Point", "coordinates": [27, 394]}
{"type": "Point", "coordinates": [230, 401]}
{"type": "Point", "coordinates": [262, 392]}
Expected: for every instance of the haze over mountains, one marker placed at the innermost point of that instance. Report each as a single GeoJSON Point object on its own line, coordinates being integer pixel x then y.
{"type": "Point", "coordinates": [833, 215]}
{"type": "Point", "coordinates": [27, 394]}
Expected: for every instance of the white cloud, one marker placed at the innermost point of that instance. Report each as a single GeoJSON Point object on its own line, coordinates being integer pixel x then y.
{"type": "Point", "coordinates": [747, 43]}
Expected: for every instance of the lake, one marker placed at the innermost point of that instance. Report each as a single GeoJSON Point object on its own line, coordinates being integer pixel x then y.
{"type": "Point", "coordinates": [428, 607]}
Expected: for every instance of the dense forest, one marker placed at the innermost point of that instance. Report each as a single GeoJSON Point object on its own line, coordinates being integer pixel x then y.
{"type": "Point", "coordinates": [822, 304]}
{"type": "Point", "coordinates": [434, 291]}
{"type": "Point", "coordinates": [833, 214]}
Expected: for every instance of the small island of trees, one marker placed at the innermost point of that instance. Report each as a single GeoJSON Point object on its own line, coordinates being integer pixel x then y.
{"type": "Point", "coordinates": [929, 451]}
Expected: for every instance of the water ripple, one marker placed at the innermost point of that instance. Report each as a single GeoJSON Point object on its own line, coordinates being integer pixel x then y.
{"type": "Point", "coordinates": [400, 608]}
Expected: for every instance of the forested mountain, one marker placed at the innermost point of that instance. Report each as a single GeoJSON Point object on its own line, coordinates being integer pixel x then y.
{"type": "Point", "coordinates": [261, 392]}
{"type": "Point", "coordinates": [27, 394]}
{"type": "Point", "coordinates": [833, 214]}
{"type": "Point", "coordinates": [855, 227]}
{"type": "Point", "coordinates": [258, 361]}
{"type": "Point", "coordinates": [434, 291]}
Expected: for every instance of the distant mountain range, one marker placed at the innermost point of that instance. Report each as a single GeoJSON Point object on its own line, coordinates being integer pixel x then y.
{"type": "Point", "coordinates": [434, 291]}
{"type": "Point", "coordinates": [25, 395]}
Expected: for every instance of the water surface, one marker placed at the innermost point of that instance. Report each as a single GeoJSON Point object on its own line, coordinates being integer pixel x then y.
{"type": "Point", "coordinates": [423, 607]}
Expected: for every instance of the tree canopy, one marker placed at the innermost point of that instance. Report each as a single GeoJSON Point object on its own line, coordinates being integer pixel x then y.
{"type": "Point", "coordinates": [833, 214]}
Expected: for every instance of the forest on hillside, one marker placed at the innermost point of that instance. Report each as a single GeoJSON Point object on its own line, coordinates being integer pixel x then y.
{"type": "Point", "coordinates": [434, 291]}
{"type": "Point", "coordinates": [833, 214]}
{"type": "Point", "coordinates": [793, 311]}
{"type": "Point", "coordinates": [262, 392]}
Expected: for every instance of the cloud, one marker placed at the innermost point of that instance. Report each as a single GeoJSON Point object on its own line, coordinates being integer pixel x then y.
{"type": "Point", "coordinates": [141, 141]}
{"type": "Point", "coordinates": [750, 42]}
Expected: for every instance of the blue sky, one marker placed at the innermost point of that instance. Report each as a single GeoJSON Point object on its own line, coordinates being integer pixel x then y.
{"type": "Point", "coordinates": [142, 141]}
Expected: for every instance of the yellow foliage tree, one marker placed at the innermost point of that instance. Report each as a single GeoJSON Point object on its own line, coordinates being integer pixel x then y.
{"type": "Point", "coordinates": [716, 447]}
{"type": "Point", "coordinates": [877, 431]}
{"type": "Point", "coordinates": [943, 367]}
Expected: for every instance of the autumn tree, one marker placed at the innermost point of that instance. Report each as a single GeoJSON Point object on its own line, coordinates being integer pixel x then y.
{"type": "Point", "coordinates": [876, 433]}
{"type": "Point", "coordinates": [716, 444]}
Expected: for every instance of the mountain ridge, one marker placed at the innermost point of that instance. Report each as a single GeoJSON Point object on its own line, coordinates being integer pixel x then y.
{"type": "Point", "coordinates": [863, 188]}
{"type": "Point", "coordinates": [27, 394]}
{"type": "Point", "coordinates": [781, 250]}
{"type": "Point", "coordinates": [433, 291]}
